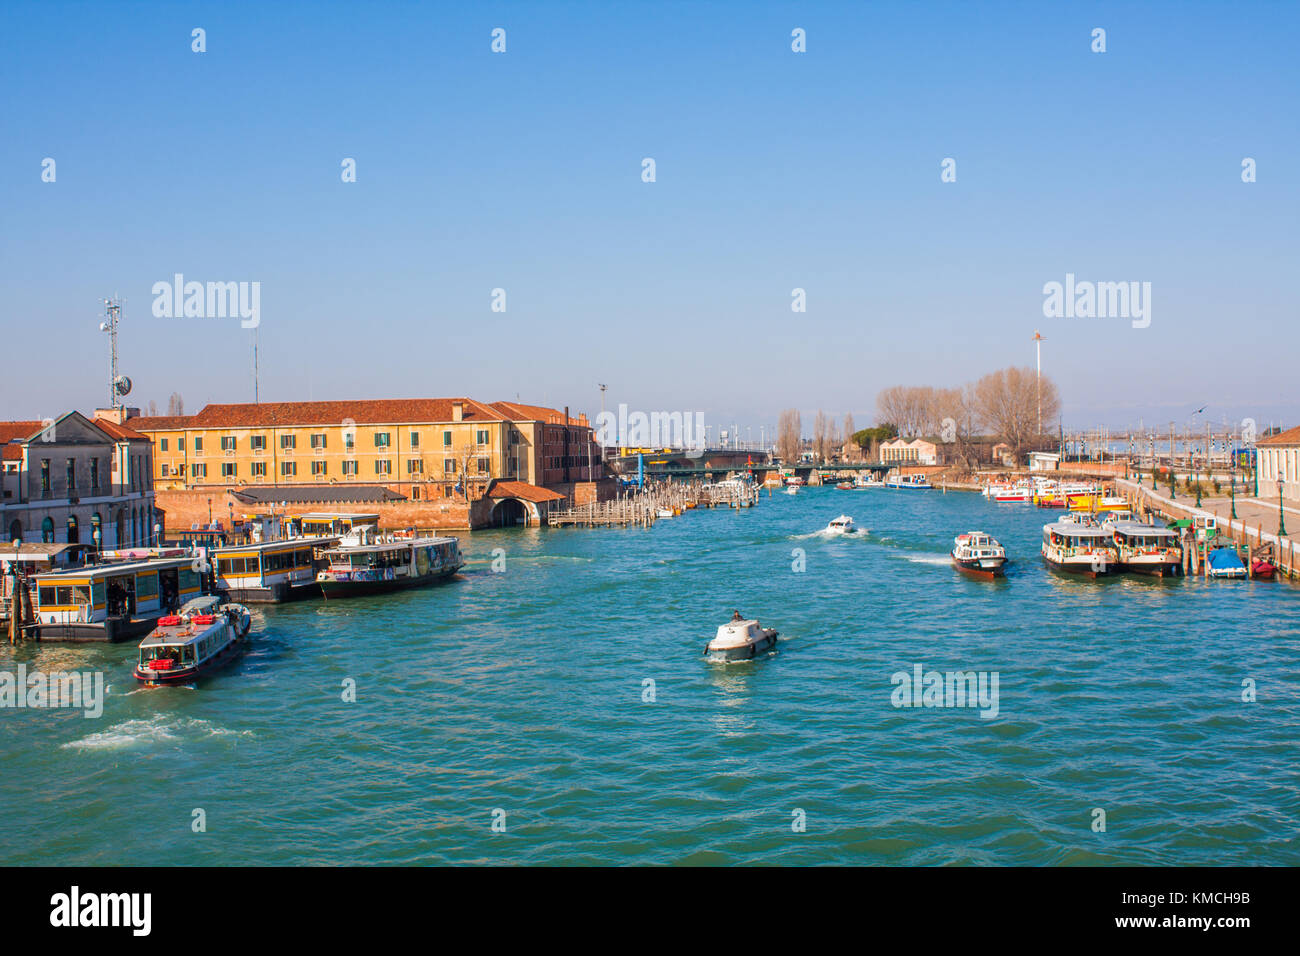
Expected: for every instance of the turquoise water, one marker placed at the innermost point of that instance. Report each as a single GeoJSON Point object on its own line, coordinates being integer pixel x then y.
{"type": "Point", "coordinates": [522, 692]}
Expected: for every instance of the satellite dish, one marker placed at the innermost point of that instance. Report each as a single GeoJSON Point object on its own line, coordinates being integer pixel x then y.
{"type": "Point", "coordinates": [122, 385]}
{"type": "Point", "coordinates": [103, 326]}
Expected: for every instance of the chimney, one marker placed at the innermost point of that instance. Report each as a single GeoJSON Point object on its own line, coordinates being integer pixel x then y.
{"type": "Point", "coordinates": [457, 411]}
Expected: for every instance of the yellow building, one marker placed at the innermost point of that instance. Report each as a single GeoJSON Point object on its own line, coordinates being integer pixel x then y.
{"type": "Point", "coordinates": [420, 448]}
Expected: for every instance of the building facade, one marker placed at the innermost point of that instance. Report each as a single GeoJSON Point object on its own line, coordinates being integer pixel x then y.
{"type": "Point", "coordinates": [1279, 457]}
{"type": "Point", "coordinates": [419, 448]}
{"type": "Point", "coordinates": [900, 451]}
{"type": "Point", "coordinates": [77, 480]}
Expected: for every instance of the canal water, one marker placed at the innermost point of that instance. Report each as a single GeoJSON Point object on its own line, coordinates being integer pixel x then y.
{"type": "Point", "coordinates": [557, 710]}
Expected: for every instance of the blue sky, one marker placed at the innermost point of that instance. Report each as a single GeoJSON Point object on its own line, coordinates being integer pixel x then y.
{"type": "Point", "coordinates": [775, 170]}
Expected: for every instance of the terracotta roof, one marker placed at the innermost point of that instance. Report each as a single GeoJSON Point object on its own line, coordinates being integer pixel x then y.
{"type": "Point", "coordinates": [19, 432]}
{"type": "Point", "coordinates": [520, 489]}
{"type": "Point", "coordinates": [518, 412]}
{"type": "Point", "coordinates": [119, 432]}
{"type": "Point", "coordinates": [1289, 437]}
{"type": "Point", "coordinates": [382, 411]}
{"type": "Point", "coordinates": [161, 423]}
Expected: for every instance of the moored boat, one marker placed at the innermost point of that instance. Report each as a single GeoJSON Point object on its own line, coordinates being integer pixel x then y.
{"type": "Point", "coordinates": [908, 482]}
{"type": "Point", "coordinates": [1146, 548]}
{"type": "Point", "coordinates": [1077, 548]}
{"type": "Point", "coordinates": [1225, 563]}
{"type": "Point", "coordinates": [368, 563]}
{"type": "Point", "coordinates": [979, 554]}
{"type": "Point", "coordinates": [740, 639]}
{"type": "Point", "coordinates": [206, 633]}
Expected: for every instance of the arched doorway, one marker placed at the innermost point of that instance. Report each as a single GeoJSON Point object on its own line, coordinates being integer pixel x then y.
{"type": "Point", "coordinates": [47, 531]}
{"type": "Point", "coordinates": [509, 512]}
{"type": "Point", "coordinates": [97, 530]}
{"type": "Point", "coordinates": [74, 535]}
{"type": "Point", "coordinates": [15, 530]}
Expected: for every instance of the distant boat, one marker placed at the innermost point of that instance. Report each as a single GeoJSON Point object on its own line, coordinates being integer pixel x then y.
{"type": "Point", "coordinates": [844, 485]}
{"type": "Point", "coordinates": [868, 481]}
{"type": "Point", "coordinates": [791, 489]}
{"type": "Point", "coordinates": [979, 554]}
{"type": "Point", "coordinates": [908, 482]}
{"type": "Point", "coordinates": [664, 513]}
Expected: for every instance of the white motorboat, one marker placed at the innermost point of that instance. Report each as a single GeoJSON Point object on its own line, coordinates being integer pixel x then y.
{"type": "Point", "coordinates": [664, 513]}
{"type": "Point", "coordinates": [740, 639]}
{"type": "Point", "coordinates": [841, 525]}
{"type": "Point", "coordinates": [908, 482]}
{"type": "Point", "coordinates": [979, 554]}
{"type": "Point", "coordinates": [791, 489]}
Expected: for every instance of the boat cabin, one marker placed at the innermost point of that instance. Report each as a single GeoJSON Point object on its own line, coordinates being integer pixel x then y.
{"type": "Point", "coordinates": [112, 600]}
{"type": "Point", "coordinates": [333, 524]}
{"type": "Point", "coordinates": [269, 572]}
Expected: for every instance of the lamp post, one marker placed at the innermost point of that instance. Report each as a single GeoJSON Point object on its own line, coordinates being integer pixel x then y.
{"type": "Point", "coordinates": [1233, 490]}
{"type": "Point", "coordinates": [1281, 514]}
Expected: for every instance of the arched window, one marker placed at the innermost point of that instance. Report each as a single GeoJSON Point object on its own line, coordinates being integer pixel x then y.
{"type": "Point", "coordinates": [47, 531]}
{"type": "Point", "coordinates": [74, 534]}
{"type": "Point", "coordinates": [15, 531]}
{"type": "Point", "coordinates": [97, 530]}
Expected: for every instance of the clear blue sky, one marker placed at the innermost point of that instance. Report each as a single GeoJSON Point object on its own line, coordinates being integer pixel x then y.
{"type": "Point", "coordinates": [775, 170]}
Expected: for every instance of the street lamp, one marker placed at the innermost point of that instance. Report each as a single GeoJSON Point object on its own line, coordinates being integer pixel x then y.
{"type": "Point", "coordinates": [1281, 515]}
{"type": "Point", "coordinates": [1233, 489]}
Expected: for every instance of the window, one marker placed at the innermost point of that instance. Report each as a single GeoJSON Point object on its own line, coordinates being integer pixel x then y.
{"type": "Point", "coordinates": [198, 443]}
{"type": "Point", "coordinates": [162, 444]}
{"type": "Point", "coordinates": [198, 470]}
{"type": "Point", "coordinates": [349, 440]}
{"type": "Point", "coordinates": [446, 439]}
{"type": "Point", "coordinates": [484, 466]}
{"type": "Point", "coordinates": [45, 476]}
{"type": "Point", "coordinates": [318, 441]}
{"type": "Point", "coordinates": [383, 466]}
{"type": "Point", "coordinates": [449, 466]}
{"type": "Point", "coordinates": [228, 443]}
{"type": "Point", "coordinates": [162, 471]}
{"type": "Point", "coordinates": [228, 469]}
{"type": "Point", "coordinates": [94, 474]}
{"type": "Point", "coordinates": [259, 469]}
{"type": "Point", "coordinates": [72, 476]}
{"type": "Point", "coordinates": [288, 442]}
{"type": "Point", "coordinates": [414, 466]}
{"type": "Point", "coordinates": [481, 436]}
{"type": "Point", "coordinates": [318, 467]}
{"type": "Point", "coordinates": [288, 468]}
{"type": "Point", "coordinates": [257, 442]}
{"type": "Point", "coordinates": [381, 439]}
{"type": "Point", "coordinates": [350, 467]}
{"type": "Point", "coordinates": [415, 439]}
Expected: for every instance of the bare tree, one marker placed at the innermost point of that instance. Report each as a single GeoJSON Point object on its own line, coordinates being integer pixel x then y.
{"type": "Point", "coordinates": [152, 409]}
{"type": "Point", "coordinates": [1007, 403]}
{"type": "Point", "coordinates": [789, 435]}
{"type": "Point", "coordinates": [176, 404]}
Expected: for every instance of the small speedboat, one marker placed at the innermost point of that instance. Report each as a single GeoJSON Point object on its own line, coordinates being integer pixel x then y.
{"type": "Point", "coordinates": [844, 485]}
{"type": "Point", "coordinates": [1224, 563]}
{"type": "Point", "coordinates": [740, 639]}
{"type": "Point", "coordinates": [841, 525]}
{"type": "Point", "coordinates": [205, 634]}
{"type": "Point", "coordinates": [664, 513]}
{"type": "Point", "coordinates": [979, 554]}
{"type": "Point", "coordinates": [791, 489]}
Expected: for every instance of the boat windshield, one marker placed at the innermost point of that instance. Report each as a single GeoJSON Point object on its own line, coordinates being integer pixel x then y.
{"type": "Point", "coordinates": [183, 654]}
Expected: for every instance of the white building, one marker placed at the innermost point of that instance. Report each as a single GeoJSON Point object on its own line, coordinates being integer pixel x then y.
{"type": "Point", "coordinates": [1279, 455]}
{"type": "Point", "coordinates": [918, 451]}
{"type": "Point", "coordinates": [1044, 461]}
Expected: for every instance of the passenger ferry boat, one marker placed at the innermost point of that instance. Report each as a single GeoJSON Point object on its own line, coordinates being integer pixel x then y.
{"type": "Point", "coordinates": [113, 600]}
{"type": "Point", "coordinates": [1061, 495]}
{"type": "Point", "coordinates": [1146, 548]}
{"type": "Point", "coordinates": [1078, 548]}
{"type": "Point", "coordinates": [269, 572]}
{"type": "Point", "coordinates": [740, 639]}
{"type": "Point", "coordinates": [979, 554]}
{"type": "Point", "coordinates": [368, 563]}
{"type": "Point", "coordinates": [909, 482]}
{"type": "Point", "coordinates": [205, 634]}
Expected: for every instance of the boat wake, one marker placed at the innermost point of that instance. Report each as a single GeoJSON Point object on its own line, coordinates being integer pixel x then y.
{"type": "Point", "coordinates": [155, 730]}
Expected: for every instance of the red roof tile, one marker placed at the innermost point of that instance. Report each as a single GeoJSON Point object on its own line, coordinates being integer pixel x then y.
{"type": "Point", "coordinates": [520, 489]}
{"type": "Point", "coordinates": [1289, 437]}
{"type": "Point", "coordinates": [118, 432]}
{"type": "Point", "coordinates": [382, 411]}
